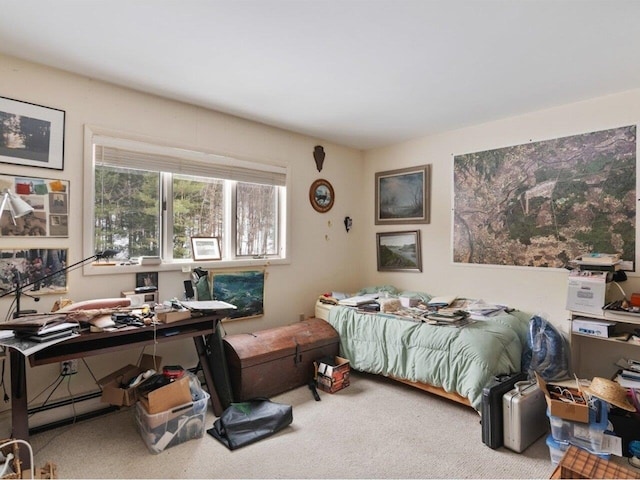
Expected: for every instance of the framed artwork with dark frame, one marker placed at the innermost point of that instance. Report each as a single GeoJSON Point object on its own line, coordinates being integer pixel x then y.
{"type": "Point", "coordinates": [147, 279]}
{"type": "Point", "coordinates": [403, 196]}
{"type": "Point", "coordinates": [321, 195]}
{"type": "Point", "coordinates": [31, 135]}
{"type": "Point", "coordinates": [399, 251]}
{"type": "Point", "coordinates": [206, 248]}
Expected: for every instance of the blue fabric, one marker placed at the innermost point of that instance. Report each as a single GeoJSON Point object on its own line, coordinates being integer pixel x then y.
{"type": "Point", "coordinates": [547, 350]}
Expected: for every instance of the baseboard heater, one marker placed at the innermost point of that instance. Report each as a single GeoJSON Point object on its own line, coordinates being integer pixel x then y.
{"type": "Point", "coordinates": [72, 419]}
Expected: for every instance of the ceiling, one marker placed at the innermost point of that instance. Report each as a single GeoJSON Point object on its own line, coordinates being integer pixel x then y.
{"type": "Point", "coordinates": [359, 73]}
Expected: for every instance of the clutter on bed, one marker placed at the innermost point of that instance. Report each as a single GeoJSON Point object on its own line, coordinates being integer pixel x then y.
{"type": "Point", "coordinates": [415, 344]}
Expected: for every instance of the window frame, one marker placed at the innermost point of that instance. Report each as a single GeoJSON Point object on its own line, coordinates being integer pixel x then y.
{"type": "Point", "coordinates": [227, 244]}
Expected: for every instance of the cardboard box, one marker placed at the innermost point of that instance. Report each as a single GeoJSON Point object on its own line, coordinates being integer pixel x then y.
{"type": "Point", "coordinates": [174, 316]}
{"type": "Point", "coordinates": [332, 374]}
{"type": "Point", "coordinates": [577, 412]}
{"type": "Point", "coordinates": [587, 291]}
{"type": "Point", "coordinates": [167, 397]}
{"type": "Point", "coordinates": [113, 391]}
{"type": "Point", "coordinates": [596, 328]}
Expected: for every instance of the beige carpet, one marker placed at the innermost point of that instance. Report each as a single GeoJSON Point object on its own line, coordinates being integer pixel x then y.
{"type": "Point", "coordinates": [375, 428]}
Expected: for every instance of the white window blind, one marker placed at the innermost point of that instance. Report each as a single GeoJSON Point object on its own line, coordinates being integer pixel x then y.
{"type": "Point", "coordinates": [139, 155]}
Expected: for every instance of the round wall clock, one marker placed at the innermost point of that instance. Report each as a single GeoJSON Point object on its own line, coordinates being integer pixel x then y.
{"type": "Point", "coordinates": [321, 196]}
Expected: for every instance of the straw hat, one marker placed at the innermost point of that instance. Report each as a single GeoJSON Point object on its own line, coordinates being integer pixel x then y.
{"type": "Point", "coordinates": [609, 391]}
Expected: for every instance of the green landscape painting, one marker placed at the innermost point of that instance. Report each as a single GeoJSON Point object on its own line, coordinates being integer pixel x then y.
{"type": "Point", "coordinates": [545, 203]}
{"type": "Point", "coordinates": [245, 290]}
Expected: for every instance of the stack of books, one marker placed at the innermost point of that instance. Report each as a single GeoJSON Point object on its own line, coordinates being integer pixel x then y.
{"type": "Point", "coordinates": [41, 328]}
{"type": "Point", "coordinates": [448, 317]}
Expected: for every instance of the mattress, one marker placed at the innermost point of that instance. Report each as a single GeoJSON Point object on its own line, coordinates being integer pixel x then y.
{"type": "Point", "coordinates": [458, 360]}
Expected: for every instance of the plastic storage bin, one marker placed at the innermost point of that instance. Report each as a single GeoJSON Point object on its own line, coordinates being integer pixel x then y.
{"type": "Point", "coordinates": [557, 449]}
{"type": "Point", "coordinates": [172, 427]}
{"type": "Point", "coordinates": [584, 435]}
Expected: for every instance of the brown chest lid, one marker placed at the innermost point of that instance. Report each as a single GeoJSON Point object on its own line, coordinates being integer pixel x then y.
{"type": "Point", "coordinates": [249, 349]}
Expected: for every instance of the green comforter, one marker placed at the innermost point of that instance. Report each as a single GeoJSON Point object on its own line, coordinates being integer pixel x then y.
{"type": "Point", "coordinates": [461, 360]}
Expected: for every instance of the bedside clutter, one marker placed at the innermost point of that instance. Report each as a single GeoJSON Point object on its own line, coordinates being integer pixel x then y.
{"type": "Point", "coordinates": [595, 434]}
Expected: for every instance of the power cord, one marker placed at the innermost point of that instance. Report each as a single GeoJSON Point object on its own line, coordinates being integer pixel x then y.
{"type": "Point", "coordinates": [2, 384]}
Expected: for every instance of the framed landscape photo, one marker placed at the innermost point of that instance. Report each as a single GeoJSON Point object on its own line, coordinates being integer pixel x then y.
{"type": "Point", "coordinates": [403, 196]}
{"type": "Point", "coordinates": [31, 135]}
{"type": "Point", "coordinates": [399, 251]}
{"type": "Point", "coordinates": [206, 248]}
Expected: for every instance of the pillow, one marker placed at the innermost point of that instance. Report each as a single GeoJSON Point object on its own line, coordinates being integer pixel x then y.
{"type": "Point", "coordinates": [390, 289]}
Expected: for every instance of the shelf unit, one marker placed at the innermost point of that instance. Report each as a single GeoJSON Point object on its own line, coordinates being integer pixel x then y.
{"type": "Point", "coordinates": [595, 356]}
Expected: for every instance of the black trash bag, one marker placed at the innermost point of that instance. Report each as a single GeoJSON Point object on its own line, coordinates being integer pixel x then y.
{"type": "Point", "coordinates": [247, 422]}
{"type": "Point", "coordinates": [548, 351]}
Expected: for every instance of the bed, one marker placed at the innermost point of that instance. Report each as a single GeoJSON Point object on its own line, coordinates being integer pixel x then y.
{"type": "Point", "coordinates": [453, 362]}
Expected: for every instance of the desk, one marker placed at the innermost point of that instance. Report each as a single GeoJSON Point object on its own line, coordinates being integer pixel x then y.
{"type": "Point", "coordinates": [89, 344]}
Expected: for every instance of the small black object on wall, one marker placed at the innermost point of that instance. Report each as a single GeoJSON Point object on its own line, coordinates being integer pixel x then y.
{"type": "Point", "coordinates": [318, 156]}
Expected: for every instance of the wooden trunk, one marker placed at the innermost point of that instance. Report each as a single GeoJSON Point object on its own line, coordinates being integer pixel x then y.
{"type": "Point", "coordinates": [269, 362]}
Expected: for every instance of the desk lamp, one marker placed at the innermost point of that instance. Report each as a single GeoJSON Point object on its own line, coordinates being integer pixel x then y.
{"type": "Point", "coordinates": [17, 207]}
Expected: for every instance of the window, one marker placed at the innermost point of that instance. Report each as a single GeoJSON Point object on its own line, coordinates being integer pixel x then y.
{"type": "Point", "coordinates": [150, 200]}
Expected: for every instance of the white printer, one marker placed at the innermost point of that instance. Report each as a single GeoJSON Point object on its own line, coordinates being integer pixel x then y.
{"type": "Point", "coordinates": [587, 291]}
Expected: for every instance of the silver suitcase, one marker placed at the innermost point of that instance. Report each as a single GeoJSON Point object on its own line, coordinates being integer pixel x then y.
{"type": "Point", "coordinates": [524, 416]}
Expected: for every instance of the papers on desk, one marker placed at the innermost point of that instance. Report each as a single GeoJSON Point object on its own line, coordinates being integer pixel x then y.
{"type": "Point", "coordinates": [32, 333]}
{"type": "Point", "coordinates": [26, 345]}
{"type": "Point", "coordinates": [208, 306]}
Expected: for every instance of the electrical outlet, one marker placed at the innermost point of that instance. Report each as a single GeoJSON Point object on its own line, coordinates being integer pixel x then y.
{"type": "Point", "coordinates": [69, 367]}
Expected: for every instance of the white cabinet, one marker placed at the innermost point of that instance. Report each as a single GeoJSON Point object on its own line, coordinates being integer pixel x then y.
{"type": "Point", "coordinates": [595, 356]}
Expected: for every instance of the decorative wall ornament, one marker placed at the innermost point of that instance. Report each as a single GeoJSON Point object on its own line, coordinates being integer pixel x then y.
{"type": "Point", "coordinates": [31, 135]}
{"type": "Point", "coordinates": [318, 156]}
{"type": "Point", "coordinates": [542, 204]}
{"type": "Point", "coordinates": [348, 223]}
{"type": "Point", "coordinates": [321, 195]}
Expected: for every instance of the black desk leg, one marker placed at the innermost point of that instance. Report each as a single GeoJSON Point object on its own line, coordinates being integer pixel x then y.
{"type": "Point", "coordinates": [19, 413]}
{"type": "Point", "coordinates": [208, 377]}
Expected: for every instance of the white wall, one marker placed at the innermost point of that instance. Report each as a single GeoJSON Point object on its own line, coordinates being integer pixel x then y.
{"type": "Point", "coordinates": [323, 255]}
{"type": "Point", "coordinates": [534, 290]}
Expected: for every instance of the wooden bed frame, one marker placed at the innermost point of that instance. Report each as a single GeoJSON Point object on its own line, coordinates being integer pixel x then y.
{"type": "Point", "coordinates": [436, 390]}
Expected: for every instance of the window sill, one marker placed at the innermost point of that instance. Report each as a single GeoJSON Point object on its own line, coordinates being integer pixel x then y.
{"type": "Point", "coordinates": [109, 268]}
